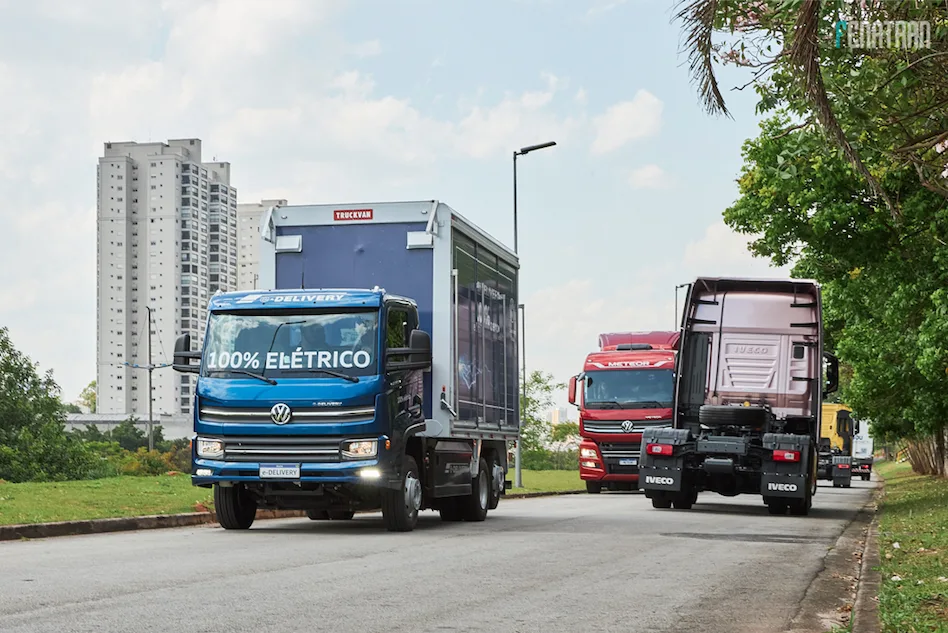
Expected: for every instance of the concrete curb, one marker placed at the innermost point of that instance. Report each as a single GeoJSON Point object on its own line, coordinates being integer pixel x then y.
{"type": "Point", "coordinates": [832, 596]}
{"type": "Point", "coordinates": [865, 616]}
{"type": "Point", "coordinates": [152, 522]}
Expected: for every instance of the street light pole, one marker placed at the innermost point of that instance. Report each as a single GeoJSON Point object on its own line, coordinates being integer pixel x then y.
{"type": "Point", "coordinates": [677, 288]}
{"type": "Point", "coordinates": [523, 151]}
{"type": "Point", "coordinates": [518, 480]}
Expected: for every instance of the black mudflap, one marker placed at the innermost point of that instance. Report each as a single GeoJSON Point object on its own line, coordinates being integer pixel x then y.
{"type": "Point", "coordinates": [662, 472]}
{"type": "Point", "coordinates": [842, 470]}
{"type": "Point", "coordinates": [785, 479]}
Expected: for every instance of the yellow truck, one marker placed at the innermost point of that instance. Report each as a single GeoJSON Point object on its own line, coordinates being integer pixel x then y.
{"type": "Point", "coordinates": [837, 429]}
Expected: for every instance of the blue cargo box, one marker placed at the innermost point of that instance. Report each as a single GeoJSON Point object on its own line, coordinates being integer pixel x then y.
{"type": "Point", "coordinates": [464, 282]}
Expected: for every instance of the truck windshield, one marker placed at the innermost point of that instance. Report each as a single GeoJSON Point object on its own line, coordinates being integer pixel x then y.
{"type": "Point", "coordinates": [292, 344]}
{"type": "Point", "coordinates": [628, 389]}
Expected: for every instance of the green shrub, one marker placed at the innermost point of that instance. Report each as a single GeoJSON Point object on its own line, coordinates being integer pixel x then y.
{"type": "Point", "coordinates": [543, 459]}
{"type": "Point", "coordinates": [145, 463]}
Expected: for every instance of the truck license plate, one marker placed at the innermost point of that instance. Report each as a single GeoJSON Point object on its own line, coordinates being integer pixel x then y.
{"type": "Point", "coordinates": [628, 462]}
{"type": "Point", "coordinates": [279, 471]}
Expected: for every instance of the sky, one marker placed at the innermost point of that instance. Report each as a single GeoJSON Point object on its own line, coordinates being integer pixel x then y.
{"type": "Point", "coordinates": [332, 101]}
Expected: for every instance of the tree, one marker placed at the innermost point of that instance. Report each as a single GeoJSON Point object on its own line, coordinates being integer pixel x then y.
{"type": "Point", "coordinates": [535, 429]}
{"type": "Point", "coordinates": [565, 430]}
{"type": "Point", "coordinates": [34, 445]}
{"type": "Point", "coordinates": [70, 407]}
{"type": "Point", "coordinates": [865, 98]}
{"type": "Point", "coordinates": [88, 397]}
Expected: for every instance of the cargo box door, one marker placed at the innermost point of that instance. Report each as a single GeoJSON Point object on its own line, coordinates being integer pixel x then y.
{"type": "Point", "coordinates": [485, 341]}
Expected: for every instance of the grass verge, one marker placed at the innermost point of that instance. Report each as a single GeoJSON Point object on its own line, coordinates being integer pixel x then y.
{"type": "Point", "coordinates": [164, 494]}
{"type": "Point", "coordinates": [99, 499]}
{"type": "Point", "coordinates": [913, 543]}
{"type": "Point", "coordinates": [547, 481]}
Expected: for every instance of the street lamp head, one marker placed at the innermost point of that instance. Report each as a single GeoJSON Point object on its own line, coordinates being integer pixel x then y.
{"type": "Point", "coordinates": [530, 148]}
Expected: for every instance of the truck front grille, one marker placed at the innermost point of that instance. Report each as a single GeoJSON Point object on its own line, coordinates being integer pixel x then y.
{"type": "Point", "coordinates": [615, 451]}
{"type": "Point", "coordinates": [615, 426]}
{"type": "Point", "coordinates": [282, 449]}
{"type": "Point", "coordinates": [300, 415]}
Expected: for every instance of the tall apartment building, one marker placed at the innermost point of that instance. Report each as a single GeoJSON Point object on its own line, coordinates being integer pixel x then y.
{"type": "Point", "coordinates": [248, 233]}
{"type": "Point", "coordinates": [167, 241]}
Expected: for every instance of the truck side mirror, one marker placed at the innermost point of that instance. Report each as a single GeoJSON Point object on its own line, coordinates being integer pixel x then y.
{"type": "Point", "coordinates": [416, 356]}
{"type": "Point", "coordinates": [183, 356]}
{"type": "Point", "coordinates": [832, 373]}
{"type": "Point", "coordinates": [572, 390]}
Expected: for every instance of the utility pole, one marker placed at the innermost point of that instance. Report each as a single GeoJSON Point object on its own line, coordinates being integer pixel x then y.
{"type": "Point", "coordinates": [151, 367]}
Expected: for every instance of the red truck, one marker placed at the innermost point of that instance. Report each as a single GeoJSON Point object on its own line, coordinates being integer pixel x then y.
{"type": "Point", "coordinates": [624, 388]}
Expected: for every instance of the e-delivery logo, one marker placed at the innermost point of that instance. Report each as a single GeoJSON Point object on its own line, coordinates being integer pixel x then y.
{"type": "Point", "coordinates": [902, 34]}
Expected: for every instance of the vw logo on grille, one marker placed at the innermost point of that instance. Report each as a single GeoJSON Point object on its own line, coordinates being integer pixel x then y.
{"type": "Point", "coordinates": [281, 413]}
{"type": "Point", "coordinates": [628, 425]}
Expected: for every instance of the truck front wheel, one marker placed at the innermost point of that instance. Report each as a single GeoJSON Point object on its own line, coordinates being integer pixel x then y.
{"type": "Point", "coordinates": [235, 508]}
{"type": "Point", "coordinates": [400, 507]}
{"type": "Point", "coordinates": [593, 487]}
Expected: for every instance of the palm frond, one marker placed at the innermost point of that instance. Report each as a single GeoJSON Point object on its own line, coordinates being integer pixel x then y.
{"type": "Point", "coordinates": [805, 57]}
{"type": "Point", "coordinates": [698, 18]}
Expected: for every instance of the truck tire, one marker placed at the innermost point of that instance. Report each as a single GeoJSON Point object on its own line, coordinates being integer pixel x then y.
{"type": "Point", "coordinates": [723, 415]}
{"type": "Point", "coordinates": [866, 477]}
{"type": "Point", "coordinates": [801, 507]}
{"type": "Point", "coordinates": [235, 508]}
{"type": "Point", "coordinates": [341, 515]}
{"type": "Point", "coordinates": [317, 515]}
{"type": "Point", "coordinates": [451, 511]}
{"type": "Point", "coordinates": [400, 507]}
{"type": "Point", "coordinates": [661, 501]}
{"type": "Point", "coordinates": [475, 504]}
{"type": "Point", "coordinates": [593, 487]}
{"type": "Point", "coordinates": [777, 506]}
{"type": "Point", "coordinates": [495, 495]}
{"type": "Point", "coordinates": [685, 499]}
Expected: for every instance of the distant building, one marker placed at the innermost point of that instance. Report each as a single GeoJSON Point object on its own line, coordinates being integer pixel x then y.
{"type": "Point", "coordinates": [248, 235]}
{"type": "Point", "coordinates": [559, 415]}
{"type": "Point", "coordinates": [167, 241]}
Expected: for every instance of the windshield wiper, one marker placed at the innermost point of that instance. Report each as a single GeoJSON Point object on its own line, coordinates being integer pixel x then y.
{"type": "Point", "coordinates": [269, 381]}
{"type": "Point", "coordinates": [612, 403]}
{"type": "Point", "coordinates": [328, 372]}
{"type": "Point", "coordinates": [646, 404]}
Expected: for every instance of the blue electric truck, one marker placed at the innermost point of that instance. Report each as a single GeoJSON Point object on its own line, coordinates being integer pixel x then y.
{"type": "Point", "coordinates": [378, 370]}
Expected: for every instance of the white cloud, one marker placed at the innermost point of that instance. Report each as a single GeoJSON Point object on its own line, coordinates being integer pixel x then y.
{"type": "Point", "coordinates": [581, 97]}
{"type": "Point", "coordinates": [604, 7]}
{"type": "Point", "coordinates": [648, 177]}
{"type": "Point", "coordinates": [627, 121]}
{"type": "Point", "coordinates": [368, 49]}
{"type": "Point", "coordinates": [722, 252]}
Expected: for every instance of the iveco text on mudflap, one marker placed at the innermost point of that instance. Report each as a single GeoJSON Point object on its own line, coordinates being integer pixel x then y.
{"type": "Point", "coordinates": [392, 385]}
{"type": "Point", "coordinates": [748, 394]}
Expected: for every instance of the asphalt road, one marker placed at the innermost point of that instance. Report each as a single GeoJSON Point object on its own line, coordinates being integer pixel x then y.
{"type": "Point", "coordinates": [604, 562]}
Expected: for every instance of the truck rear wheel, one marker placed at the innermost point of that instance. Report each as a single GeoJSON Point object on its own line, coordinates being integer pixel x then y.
{"type": "Point", "coordinates": [661, 501]}
{"type": "Point", "coordinates": [451, 511]}
{"type": "Point", "coordinates": [317, 515]}
{"type": "Point", "coordinates": [235, 508]}
{"type": "Point", "coordinates": [341, 515]}
{"type": "Point", "coordinates": [776, 506]}
{"type": "Point", "coordinates": [400, 507]}
{"type": "Point", "coordinates": [593, 487]}
{"type": "Point", "coordinates": [475, 505]}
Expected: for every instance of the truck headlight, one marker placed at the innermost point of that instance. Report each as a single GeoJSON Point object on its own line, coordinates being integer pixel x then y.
{"type": "Point", "coordinates": [588, 452]}
{"type": "Point", "coordinates": [210, 448]}
{"type": "Point", "coordinates": [360, 448]}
